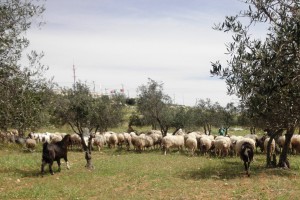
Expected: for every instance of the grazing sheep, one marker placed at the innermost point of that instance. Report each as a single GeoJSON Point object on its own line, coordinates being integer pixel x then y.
{"type": "Point", "coordinates": [20, 140]}
{"type": "Point", "coordinates": [252, 136]}
{"type": "Point", "coordinates": [191, 144]}
{"type": "Point", "coordinates": [172, 141]}
{"type": "Point", "coordinates": [205, 144]}
{"type": "Point", "coordinates": [154, 132]}
{"type": "Point", "coordinates": [156, 139]}
{"type": "Point", "coordinates": [30, 144]}
{"type": "Point", "coordinates": [272, 149]}
{"type": "Point", "coordinates": [149, 142]}
{"type": "Point", "coordinates": [234, 140]}
{"type": "Point", "coordinates": [281, 142]}
{"type": "Point", "coordinates": [107, 135]}
{"type": "Point", "coordinates": [75, 141]}
{"type": "Point", "coordinates": [113, 140]}
{"type": "Point", "coordinates": [99, 141]}
{"type": "Point", "coordinates": [260, 143]}
{"type": "Point", "coordinates": [222, 145]}
{"type": "Point", "coordinates": [127, 138]}
{"type": "Point", "coordinates": [121, 139]}
{"type": "Point", "coordinates": [54, 152]}
{"type": "Point", "coordinates": [55, 138]}
{"type": "Point", "coordinates": [295, 143]}
{"type": "Point", "coordinates": [240, 142]}
{"type": "Point", "coordinates": [134, 139]}
{"type": "Point", "coordinates": [246, 154]}
{"type": "Point", "coordinates": [140, 143]}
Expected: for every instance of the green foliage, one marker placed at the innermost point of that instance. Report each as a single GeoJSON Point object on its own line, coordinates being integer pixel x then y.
{"type": "Point", "coordinates": [265, 73]}
{"type": "Point", "coordinates": [78, 108]}
{"type": "Point", "coordinates": [24, 93]}
{"type": "Point", "coordinates": [156, 108]}
{"type": "Point", "coordinates": [16, 17]}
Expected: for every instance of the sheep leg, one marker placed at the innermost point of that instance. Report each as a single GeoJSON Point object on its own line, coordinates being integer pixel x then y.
{"type": "Point", "coordinates": [50, 168]}
{"type": "Point", "coordinates": [67, 162]}
{"type": "Point", "coordinates": [165, 150]}
{"type": "Point", "coordinates": [58, 163]}
{"type": "Point", "coordinates": [42, 167]}
{"type": "Point", "coordinates": [247, 166]}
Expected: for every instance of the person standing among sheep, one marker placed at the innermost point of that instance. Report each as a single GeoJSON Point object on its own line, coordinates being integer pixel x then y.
{"type": "Point", "coordinates": [221, 131]}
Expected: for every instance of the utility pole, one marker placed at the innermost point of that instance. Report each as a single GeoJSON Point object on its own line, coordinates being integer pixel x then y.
{"type": "Point", "coordinates": [94, 89]}
{"type": "Point", "coordinates": [74, 75]}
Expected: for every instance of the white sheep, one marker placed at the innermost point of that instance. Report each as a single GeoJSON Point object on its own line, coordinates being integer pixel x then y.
{"type": "Point", "coordinates": [127, 138]}
{"type": "Point", "coordinates": [205, 144]}
{"type": "Point", "coordinates": [30, 144]}
{"type": "Point", "coordinates": [172, 141]}
{"type": "Point", "coordinates": [149, 141]}
{"type": "Point", "coordinates": [234, 139]}
{"type": "Point", "coordinates": [156, 139]}
{"type": "Point", "coordinates": [113, 140]}
{"type": "Point", "coordinates": [272, 148]}
{"type": "Point", "coordinates": [240, 142]}
{"type": "Point", "coordinates": [55, 138]}
{"type": "Point", "coordinates": [134, 139]}
{"type": "Point", "coordinates": [281, 141]}
{"type": "Point", "coordinates": [75, 140]}
{"type": "Point", "coordinates": [99, 141]}
{"type": "Point", "coordinates": [140, 143]}
{"type": "Point", "coordinates": [107, 135]}
{"type": "Point", "coordinates": [121, 139]}
{"type": "Point", "coordinates": [222, 146]}
{"type": "Point", "coordinates": [191, 144]}
{"type": "Point", "coordinates": [154, 132]}
{"type": "Point", "coordinates": [295, 143]}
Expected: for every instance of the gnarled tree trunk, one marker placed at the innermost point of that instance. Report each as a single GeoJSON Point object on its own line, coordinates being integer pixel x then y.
{"type": "Point", "coordinates": [283, 161]}
{"type": "Point", "coordinates": [272, 134]}
{"type": "Point", "coordinates": [88, 151]}
{"type": "Point", "coordinates": [269, 156]}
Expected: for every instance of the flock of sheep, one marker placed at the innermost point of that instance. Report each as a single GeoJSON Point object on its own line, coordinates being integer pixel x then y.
{"type": "Point", "coordinates": [193, 142]}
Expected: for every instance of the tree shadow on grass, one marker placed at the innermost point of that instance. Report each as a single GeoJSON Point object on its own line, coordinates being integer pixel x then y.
{"type": "Point", "coordinates": [231, 169]}
{"type": "Point", "coordinates": [21, 172]}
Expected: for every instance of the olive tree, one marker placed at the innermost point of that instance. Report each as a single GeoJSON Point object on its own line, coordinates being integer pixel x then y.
{"type": "Point", "coordinates": [24, 92]}
{"type": "Point", "coordinates": [86, 114]}
{"type": "Point", "coordinates": [265, 73]}
{"type": "Point", "coordinates": [157, 108]}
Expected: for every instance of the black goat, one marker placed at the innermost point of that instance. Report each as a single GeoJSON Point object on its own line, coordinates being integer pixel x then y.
{"type": "Point", "coordinates": [54, 152]}
{"type": "Point", "coordinates": [246, 155]}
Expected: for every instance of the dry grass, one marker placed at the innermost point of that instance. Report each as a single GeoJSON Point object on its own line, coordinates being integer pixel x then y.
{"type": "Point", "coordinates": [150, 175]}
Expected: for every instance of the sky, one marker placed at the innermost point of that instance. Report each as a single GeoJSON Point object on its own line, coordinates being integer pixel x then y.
{"type": "Point", "coordinates": [117, 44]}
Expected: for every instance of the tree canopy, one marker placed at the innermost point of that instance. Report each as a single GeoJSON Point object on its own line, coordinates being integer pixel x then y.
{"type": "Point", "coordinates": [78, 108]}
{"type": "Point", "coordinates": [264, 73]}
{"type": "Point", "coordinates": [24, 92]}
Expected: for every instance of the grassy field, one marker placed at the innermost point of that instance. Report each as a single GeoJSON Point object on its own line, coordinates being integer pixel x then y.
{"type": "Point", "coordinates": [120, 174]}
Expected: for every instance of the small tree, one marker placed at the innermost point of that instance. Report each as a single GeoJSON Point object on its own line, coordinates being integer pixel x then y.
{"type": "Point", "coordinates": [207, 114]}
{"type": "Point", "coordinates": [79, 109]}
{"type": "Point", "coordinates": [156, 107]}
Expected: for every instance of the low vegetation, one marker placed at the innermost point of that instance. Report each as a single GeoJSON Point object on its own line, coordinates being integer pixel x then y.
{"type": "Point", "coordinates": [121, 174]}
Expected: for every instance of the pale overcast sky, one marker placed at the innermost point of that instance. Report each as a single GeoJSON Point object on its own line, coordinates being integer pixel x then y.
{"type": "Point", "coordinates": [115, 43]}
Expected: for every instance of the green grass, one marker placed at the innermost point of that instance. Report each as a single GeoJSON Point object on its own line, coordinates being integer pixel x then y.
{"type": "Point", "coordinates": [120, 174]}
